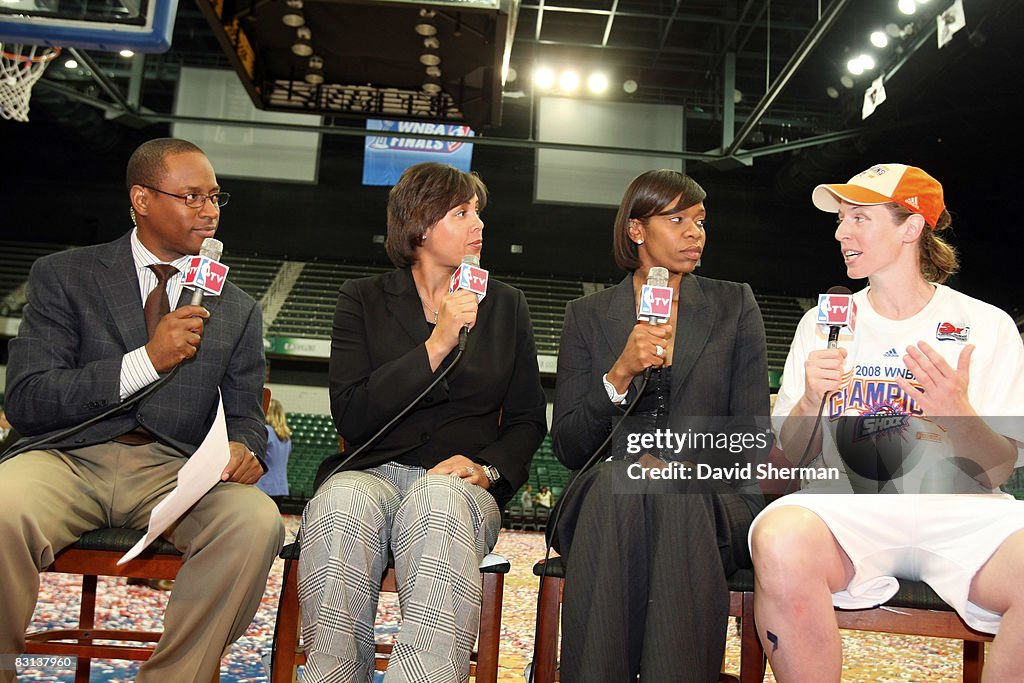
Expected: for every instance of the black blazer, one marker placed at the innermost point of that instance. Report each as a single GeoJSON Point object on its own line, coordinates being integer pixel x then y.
{"type": "Point", "coordinates": [379, 364]}
{"type": "Point", "coordinates": [719, 367]}
{"type": "Point", "coordinates": [84, 313]}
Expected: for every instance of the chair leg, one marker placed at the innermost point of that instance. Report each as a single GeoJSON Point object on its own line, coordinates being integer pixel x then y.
{"type": "Point", "coordinates": [490, 628]}
{"type": "Point", "coordinates": [283, 669]}
{"type": "Point", "coordinates": [545, 650]}
{"type": "Point", "coordinates": [752, 658]}
{"type": "Point", "coordinates": [974, 660]}
{"type": "Point", "coordinates": [86, 622]}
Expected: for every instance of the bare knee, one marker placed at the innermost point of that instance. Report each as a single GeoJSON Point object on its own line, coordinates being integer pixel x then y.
{"type": "Point", "coordinates": [790, 546]}
{"type": "Point", "coordinates": [997, 586]}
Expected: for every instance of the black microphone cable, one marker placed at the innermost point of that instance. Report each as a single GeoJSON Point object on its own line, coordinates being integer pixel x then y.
{"type": "Point", "coordinates": [132, 400]}
{"type": "Point", "coordinates": [553, 523]}
{"type": "Point", "coordinates": [804, 460]}
{"type": "Point", "coordinates": [833, 342]}
{"type": "Point", "coordinates": [366, 444]}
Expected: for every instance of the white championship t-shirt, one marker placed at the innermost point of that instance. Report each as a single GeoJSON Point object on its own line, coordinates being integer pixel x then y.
{"type": "Point", "coordinates": [885, 430]}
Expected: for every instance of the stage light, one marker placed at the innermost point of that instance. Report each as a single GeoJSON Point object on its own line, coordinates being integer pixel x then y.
{"type": "Point", "coordinates": [597, 83]}
{"type": "Point", "coordinates": [630, 86]}
{"type": "Point", "coordinates": [544, 78]}
{"type": "Point", "coordinates": [879, 39]}
{"type": "Point", "coordinates": [907, 6]}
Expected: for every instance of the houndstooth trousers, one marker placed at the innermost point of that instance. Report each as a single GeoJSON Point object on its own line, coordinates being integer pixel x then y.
{"type": "Point", "coordinates": [438, 527]}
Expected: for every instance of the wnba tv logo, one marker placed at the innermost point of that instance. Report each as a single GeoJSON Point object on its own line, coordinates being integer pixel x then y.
{"type": "Point", "coordinates": [206, 274]}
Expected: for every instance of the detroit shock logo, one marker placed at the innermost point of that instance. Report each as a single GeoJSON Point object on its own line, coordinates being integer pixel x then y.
{"type": "Point", "coordinates": [883, 420]}
{"type": "Point", "coordinates": [950, 332]}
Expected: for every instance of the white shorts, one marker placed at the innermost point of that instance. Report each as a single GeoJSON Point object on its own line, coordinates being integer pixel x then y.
{"type": "Point", "coordinates": [942, 540]}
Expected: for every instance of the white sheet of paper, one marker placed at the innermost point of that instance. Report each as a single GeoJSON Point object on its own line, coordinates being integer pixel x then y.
{"type": "Point", "coordinates": [200, 474]}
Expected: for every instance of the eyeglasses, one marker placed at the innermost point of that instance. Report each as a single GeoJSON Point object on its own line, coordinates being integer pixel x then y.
{"type": "Point", "coordinates": [195, 200]}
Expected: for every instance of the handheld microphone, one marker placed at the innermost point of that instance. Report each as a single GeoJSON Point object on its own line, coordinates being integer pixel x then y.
{"type": "Point", "coordinates": [469, 275]}
{"type": "Point", "coordinates": [205, 273]}
{"type": "Point", "coordinates": [655, 301]}
{"type": "Point", "coordinates": [655, 297]}
{"type": "Point", "coordinates": [836, 309]}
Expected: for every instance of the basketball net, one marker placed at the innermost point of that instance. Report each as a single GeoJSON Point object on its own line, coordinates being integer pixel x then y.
{"type": "Point", "coordinates": [20, 67]}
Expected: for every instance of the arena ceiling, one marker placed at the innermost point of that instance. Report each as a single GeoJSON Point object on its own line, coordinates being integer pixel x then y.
{"type": "Point", "coordinates": [757, 78]}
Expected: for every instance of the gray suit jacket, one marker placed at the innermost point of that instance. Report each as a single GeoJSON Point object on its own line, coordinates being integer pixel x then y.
{"type": "Point", "coordinates": [719, 369]}
{"type": "Point", "coordinates": [84, 313]}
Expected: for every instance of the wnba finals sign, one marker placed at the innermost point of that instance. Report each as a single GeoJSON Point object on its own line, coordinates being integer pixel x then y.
{"type": "Point", "coordinates": [387, 155]}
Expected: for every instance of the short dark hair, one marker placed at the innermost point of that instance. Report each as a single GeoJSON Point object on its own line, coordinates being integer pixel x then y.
{"type": "Point", "coordinates": [422, 197]}
{"type": "Point", "coordinates": [146, 165]}
{"type": "Point", "coordinates": [650, 194]}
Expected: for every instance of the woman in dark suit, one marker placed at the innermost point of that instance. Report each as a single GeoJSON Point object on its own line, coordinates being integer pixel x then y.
{"type": "Point", "coordinates": [645, 591]}
{"type": "Point", "coordinates": [429, 491]}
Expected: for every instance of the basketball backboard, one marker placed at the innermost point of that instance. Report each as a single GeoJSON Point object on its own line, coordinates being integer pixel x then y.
{"type": "Point", "coordinates": [106, 25]}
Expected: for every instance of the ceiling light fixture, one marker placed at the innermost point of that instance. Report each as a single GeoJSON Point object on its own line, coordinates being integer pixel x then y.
{"type": "Point", "coordinates": [597, 83]}
{"type": "Point", "coordinates": [293, 15]}
{"type": "Point", "coordinates": [432, 85]}
{"type": "Point", "coordinates": [315, 75]}
{"type": "Point", "coordinates": [544, 78]}
{"type": "Point", "coordinates": [907, 6]}
{"type": "Point", "coordinates": [629, 86]}
{"type": "Point", "coordinates": [303, 47]}
{"type": "Point", "coordinates": [430, 57]}
{"type": "Point", "coordinates": [879, 39]}
{"type": "Point", "coordinates": [71, 64]}
{"type": "Point", "coordinates": [126, 53]}
{"type": "Point", "coordinates": [425, 26]}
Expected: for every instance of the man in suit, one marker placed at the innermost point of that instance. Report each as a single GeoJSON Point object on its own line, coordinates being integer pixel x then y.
{"type": "Point", "coordinates": [87, 342]}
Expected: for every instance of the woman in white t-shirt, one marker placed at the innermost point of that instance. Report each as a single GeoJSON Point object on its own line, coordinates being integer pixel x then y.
{"type": "Point", "coordinates": [923, 395]}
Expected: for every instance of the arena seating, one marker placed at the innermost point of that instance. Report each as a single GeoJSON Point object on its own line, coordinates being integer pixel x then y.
{"type": "Point", "coordinates": [308, 310]}
{"type": "Point", "coordinates": [252, 273]}
{"type": "Point", "coordinates": [313, 439]}
{"type": "Point", "coordinates": [17, 260]}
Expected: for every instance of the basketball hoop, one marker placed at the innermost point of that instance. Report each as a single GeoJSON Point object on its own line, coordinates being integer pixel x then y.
{"type": "Point", "coordinates": [20, 67]}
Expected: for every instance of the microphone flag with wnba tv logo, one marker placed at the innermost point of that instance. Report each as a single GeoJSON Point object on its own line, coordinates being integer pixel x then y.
{"type": "Point", "coordinates": [387, 155]}
{"type": "Point", "coordinates": [206, 274]}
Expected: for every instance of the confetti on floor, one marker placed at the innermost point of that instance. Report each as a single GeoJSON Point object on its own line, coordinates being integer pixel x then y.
{"type": "Point", "coordinates": [869, 657]}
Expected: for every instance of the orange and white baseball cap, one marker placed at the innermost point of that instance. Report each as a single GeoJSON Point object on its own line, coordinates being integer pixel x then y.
{"type": "Point", "coordinates": [908, 186]}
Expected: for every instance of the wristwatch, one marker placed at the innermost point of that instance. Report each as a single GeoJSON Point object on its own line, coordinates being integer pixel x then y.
{"type": "Point", "coordinates": [492, 473]}
{"type": "Point", "coordinates": [613, 394]}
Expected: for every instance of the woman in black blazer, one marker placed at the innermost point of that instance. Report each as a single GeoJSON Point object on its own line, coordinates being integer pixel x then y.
{"type": "Point", "coordinates": [429, 491]}
{"type": "Point", "coordinates": [645, 591]}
